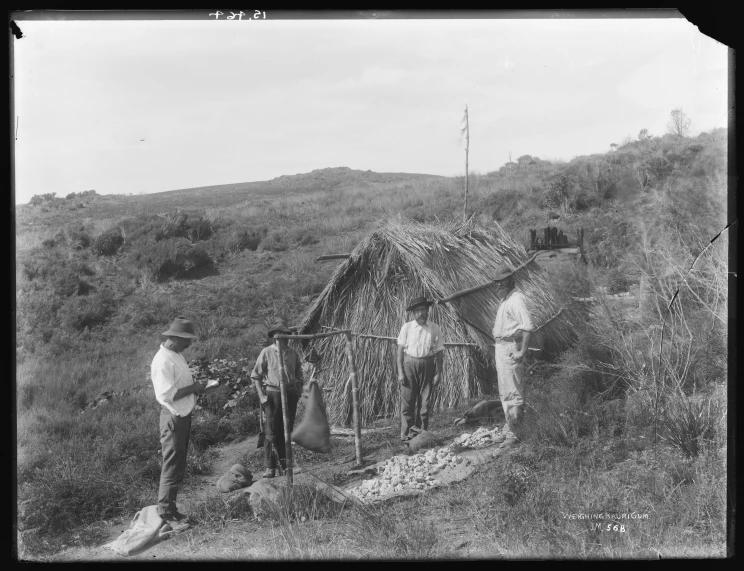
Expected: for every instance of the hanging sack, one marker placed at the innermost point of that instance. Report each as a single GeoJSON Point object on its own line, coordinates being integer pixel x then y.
{"type": "Point", "coordinates": [314, 432]}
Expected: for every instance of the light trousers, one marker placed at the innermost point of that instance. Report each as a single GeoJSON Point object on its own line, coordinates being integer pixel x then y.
{"type": "Point", "coordinates": [510, 376]}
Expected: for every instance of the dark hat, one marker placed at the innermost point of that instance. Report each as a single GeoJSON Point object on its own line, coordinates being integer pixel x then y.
{"type": "Point", "coordinates": [313, 357]}
{"type": "Point", "coordinates": [502, 272]}
{"type": "Point", "coordinates": [280, 326]}
{"type": "Point", "coordinates": [181, 327]}
{"type": "Point", "coordinates": [418, 301]}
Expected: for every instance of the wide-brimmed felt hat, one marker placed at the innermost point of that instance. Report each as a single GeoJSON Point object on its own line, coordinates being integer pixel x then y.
{"type": "Point", "coordinates": [181, 327]}
{"type": "Point", "coordinates": [313, 357]}
{"type": "Point", "coordinates": [502, 272]}
{"type": "Point", "coordinates": [416, 301]}
{"type": "Point", "coordinates": [280, 326]}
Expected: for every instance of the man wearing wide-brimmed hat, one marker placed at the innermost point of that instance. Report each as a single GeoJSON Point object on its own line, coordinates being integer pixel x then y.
{"type": "Point", "coordinates": [176, 391]}
{"type": "Point", "coordinates": [420, 364]}
{"type": "Point", "coordinates": [512, 331]}
{"type": "Point", "coordinates": [266, 376]}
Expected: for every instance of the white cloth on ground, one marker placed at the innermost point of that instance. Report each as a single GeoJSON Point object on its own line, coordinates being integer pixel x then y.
{"type": "Point", "coordinates": [146, 530]}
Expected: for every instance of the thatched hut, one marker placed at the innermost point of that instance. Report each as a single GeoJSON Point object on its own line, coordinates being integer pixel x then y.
{"type": "Point", "coordinates": [368, 294]}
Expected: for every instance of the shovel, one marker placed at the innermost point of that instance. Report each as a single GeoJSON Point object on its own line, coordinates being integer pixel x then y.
{"type": "Point", "coordinates": [261, 434]}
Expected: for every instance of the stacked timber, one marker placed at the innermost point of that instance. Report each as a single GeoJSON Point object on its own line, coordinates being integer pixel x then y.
{"type": "Point", "coordinates": [555, 247]}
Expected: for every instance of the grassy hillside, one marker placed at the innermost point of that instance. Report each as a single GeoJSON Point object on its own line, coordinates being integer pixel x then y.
{"type": "Point", "coordinates": [99, 277]}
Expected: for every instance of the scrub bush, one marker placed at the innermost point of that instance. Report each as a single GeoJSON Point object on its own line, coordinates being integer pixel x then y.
{"type": "Point", "coordinates": [93, 311]}
{"type": "Point", "coordinates": [108, 243]}
{"type": "Point", "coordinates": [171, 257]}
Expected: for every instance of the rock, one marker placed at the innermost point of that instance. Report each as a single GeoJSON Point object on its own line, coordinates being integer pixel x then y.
{"type": "Point", "coordinates": [424, 439]}
{"type": "Point", "coordinates": [265, 494]}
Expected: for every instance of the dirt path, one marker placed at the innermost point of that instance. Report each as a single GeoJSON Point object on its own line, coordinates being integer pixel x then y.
{"type": "Point", "coordinates": [200, 489]}
{"type": "Point", "coordinates": [227, 455]}
{"type": "Point", "coordinates": [245, 538]}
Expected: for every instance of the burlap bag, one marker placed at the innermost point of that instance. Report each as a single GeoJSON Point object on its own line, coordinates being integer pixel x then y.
{"type": "Point", "coordinates": [314, 432]}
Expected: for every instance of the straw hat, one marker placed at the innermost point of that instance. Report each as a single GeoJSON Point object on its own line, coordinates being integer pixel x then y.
{"type": "Point", "coordinates": [279, 326]}
{"type": "Point", "coordinates": [416, 301]}
{"type": "Point", "coordinates": [181, 327]}
{"type": "Point", "coordinates": [502, 272]}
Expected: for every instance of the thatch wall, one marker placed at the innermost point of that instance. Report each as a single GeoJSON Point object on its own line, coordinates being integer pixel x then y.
{"type": "Point", "coordinates": [368, 294]}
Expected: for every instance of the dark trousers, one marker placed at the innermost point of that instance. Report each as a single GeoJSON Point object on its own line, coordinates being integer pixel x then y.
{"type": "Point", "coordinates": [414, 398]}
{"type": "Point", "coordinates": [275, 424]}
{"type": "Point", "coordinates": [174, 440]}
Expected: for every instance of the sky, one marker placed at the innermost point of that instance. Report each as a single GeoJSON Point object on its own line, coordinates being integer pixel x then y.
{"type": "Point", "coordinates": [132, 107]}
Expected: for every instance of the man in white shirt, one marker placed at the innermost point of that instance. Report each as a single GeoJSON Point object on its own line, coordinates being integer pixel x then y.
{"type": "Point", "coordinates": [512, 331]}
{"type": "Point", "coordinates": [175, 390]}
{"type": "Point", "coordinates": [420, 364]}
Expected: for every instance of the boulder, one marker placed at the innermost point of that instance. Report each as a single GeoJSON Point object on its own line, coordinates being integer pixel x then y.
{"type": "Point", "coordinates": [266, 494]}
{"type": "Point", "coordinates": [235, 478]}
{"type": "Point", "coordinates": [423, 440]}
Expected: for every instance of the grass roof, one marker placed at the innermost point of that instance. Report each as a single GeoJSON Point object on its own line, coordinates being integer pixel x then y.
{"type": "Point", "coordinates": [402, 259]}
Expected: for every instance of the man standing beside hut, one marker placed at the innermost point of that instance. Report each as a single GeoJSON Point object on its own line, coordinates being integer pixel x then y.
{"type": "Point", "coordinates": [512, 331]}
{"type": "Point", "coordinates": [420, 365]}
{"type": "Point", "coordinates": [175, 390]}
{"type": "Point", "coordinates": [265, 376]}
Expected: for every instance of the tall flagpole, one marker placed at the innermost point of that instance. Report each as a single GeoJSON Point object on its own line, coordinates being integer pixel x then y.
{"type": "Point", "coordinates": [466, 129]}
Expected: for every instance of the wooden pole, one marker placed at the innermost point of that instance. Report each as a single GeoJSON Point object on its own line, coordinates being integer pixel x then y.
{"type": "Point", "coordinates": [467, 150]}
{"type": "Point", "coordinates": [285, 418]}
{"type": "Point", "coordinates": [332, 257]}
{"type": "Point", "coordinates": [479, 287]}
{"type": "Point", "coordinates": [486, 334]}
{"type": "Point", "coordinates": [312, 336]}
{"type": "Point", "coordinates": [355, 398]}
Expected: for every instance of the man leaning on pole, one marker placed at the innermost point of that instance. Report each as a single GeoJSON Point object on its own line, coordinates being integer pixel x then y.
{"type": "Point", "coordinates": [266, 376]}
{"type": "Point", "coordinates": [512, 331]}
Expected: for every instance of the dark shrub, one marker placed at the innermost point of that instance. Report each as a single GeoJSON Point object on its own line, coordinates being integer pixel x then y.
{"type": "Point", "coordinates": [108, 243]}
{"type": "Point", "coordinates": [67, 282]}
{"type": "Point", "coordinates": [617, 280]}
{"type": "Point", "coordinates": [559, 191]}
{"type": "Point", "coordinates": [197, 228]}
{"type": "Point", "coordinates": [275, 242]}
{"type": "Point", "coordinates": [167, 258]}
{"type": "Point", "coordinates": [60, 272]}
{"type": "Point", "coordinates": [93, 311]}
{"type": "Point", "coordinates": [180, 225]}
{"type": "Point", "coordinates": [78, 238]}
{"type": "Point", "coordinates": [238, 239]}
{"type": "Point", "coordinates": [304, 238]}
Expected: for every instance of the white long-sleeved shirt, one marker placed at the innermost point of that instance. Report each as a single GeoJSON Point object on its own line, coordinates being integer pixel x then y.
{"type": "Point", "coordinates": [170, 372]}
{"type": "Point", "coordinates": [512, 315]}
{"type": "Point", "coordinates": [421, 340]}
